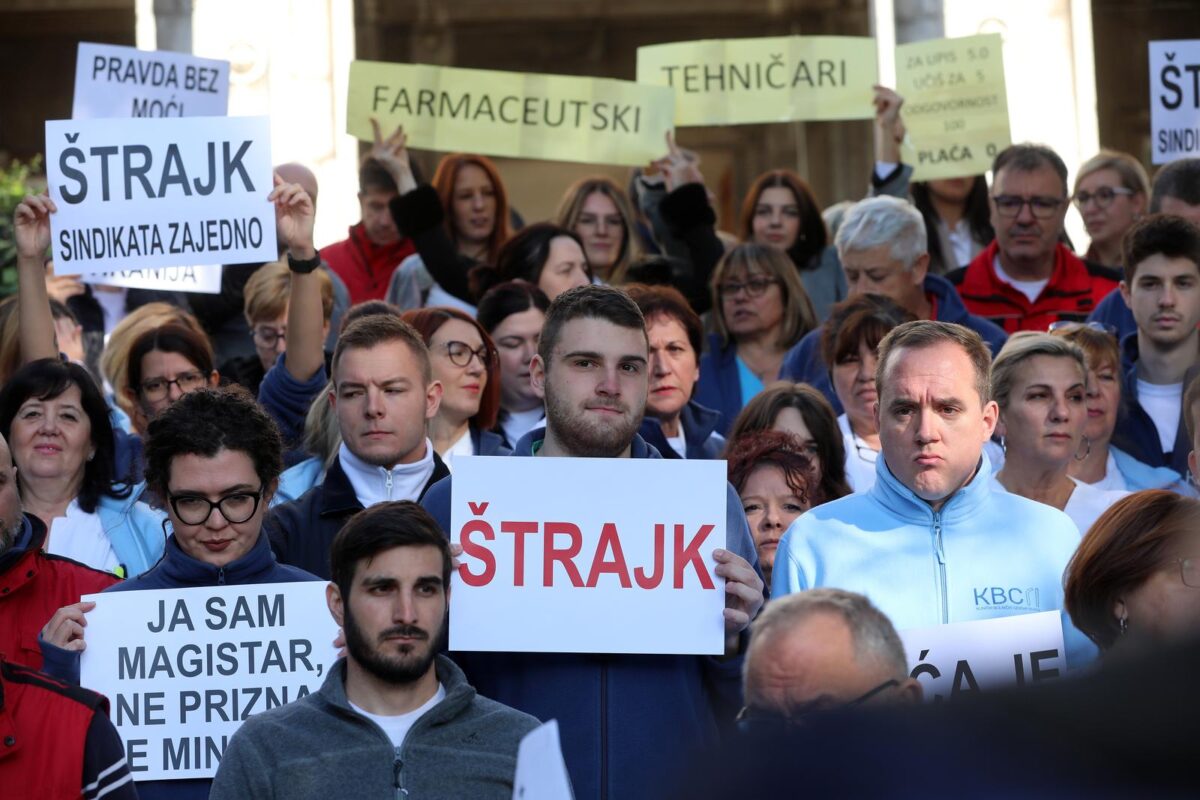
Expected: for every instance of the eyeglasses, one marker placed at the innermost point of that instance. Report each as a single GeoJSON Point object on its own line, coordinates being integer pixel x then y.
{"type": "Point", "coordinates": [268, 337]}
{"type": "Point", "coordinates": [235, 508]}
{"type": "Point", "coordinates": [1068, 326]}
{"type": "Point", "coordinates": [1103, 196]}
{"type": "Point", "coordinates": [755, 287]}
{"type": "Point", "coordinates": [460, 354]}
{"type": "Point", "coordinates": [1010, 205]}
{"type": "Point", "coordinates": [753, 718]}
{"type": "Point", "coordinates": [159, 388]}
{"type": "Point", "coordinates": [1189, 571]}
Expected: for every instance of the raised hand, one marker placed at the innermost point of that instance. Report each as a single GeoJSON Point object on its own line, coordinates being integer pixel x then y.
{"type": "Point", "coordinates": [392, 153]}
{"type": "Point", "coordinates": [889, 125]}
{"type": "Point", "coordinates": [677, 167]}
{"type": "Point", "coordinates": [294, 218]}
{"type": "Point", "coordinates": [31, 226]}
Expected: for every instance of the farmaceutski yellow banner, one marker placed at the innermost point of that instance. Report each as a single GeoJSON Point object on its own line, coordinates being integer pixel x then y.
{"type": "Point", "coordinates": [955, 105]}
{"type": "Point", "coordinates": [775, 79]}
{"type": "Point", "coordinates": [552, 117]}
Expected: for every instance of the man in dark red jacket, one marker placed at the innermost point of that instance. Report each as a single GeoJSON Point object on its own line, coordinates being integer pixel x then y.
{"type": "Point", "coordinates": [33, 584]}
{"type": "Point", "coordinates": [56, 740]}
{"type": "Point", "coordinates": [366, 260]}
{"type": "Point", "coordinates": [1027, 278]}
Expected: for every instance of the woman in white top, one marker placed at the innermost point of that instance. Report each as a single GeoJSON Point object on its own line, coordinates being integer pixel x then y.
{"type": "Point", "coordinates": [1040, 383]}
{"type": "Point", "coordinates": [849, 340]}
{"type": "Point", "coordinates": [513, 313]}
{"type": "Point", "coordinates": [57, 426]}
{"type": "Point", "coordinates": [464, 361]}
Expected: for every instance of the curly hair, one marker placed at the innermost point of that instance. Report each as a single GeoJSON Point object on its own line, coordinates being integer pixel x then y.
{"type": "Point", "coordinates": [774, 449]}
{"type": "Point", "coordinates": [203, 423]}
{"type": "Point", "coordinates": [46, 379]}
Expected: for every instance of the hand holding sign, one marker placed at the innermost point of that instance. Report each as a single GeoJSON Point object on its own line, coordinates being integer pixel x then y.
{"type": "Point", "coordinates": [62, 287]}
{"type": "Point", "coordinates": [889, 125]}
{"type": "Point", "coordinates": [743, 595]}
{"type": "Point", "coordinates": [294, 217]}
{"type": "Point", "coordinates": [392, 153]}
{"type": "Point", "coordinates": [31, 225]}
{"type": "Point", "coordinates": [65, 628]}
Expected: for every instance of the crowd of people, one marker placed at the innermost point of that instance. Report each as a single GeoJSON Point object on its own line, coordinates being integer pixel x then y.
{"type": "Point", "coordinates": [919, 401]}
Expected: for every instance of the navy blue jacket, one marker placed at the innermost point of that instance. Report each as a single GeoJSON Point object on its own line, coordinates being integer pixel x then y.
{"type": "Point", "coordinates": [287, 400]}
{"type": "Point", "coordinates": [1113, 310]}
{"type": "Point", "coordinates": [302, 530]}
{"type": "Point", "coordinates": [720, 386]}
{"type": "Point", "coordinates": [804, 363]}
{"type": "Point", "coordinates": [487, 443]}
{"type": "Point", "coordinates": [700, 437]}
{"type": "Point", "coordinates": [177, 570]}
{"type": "Point", "coordinates": [1135, 432]}
{"type": "Point", "coordinates": [628, 722]}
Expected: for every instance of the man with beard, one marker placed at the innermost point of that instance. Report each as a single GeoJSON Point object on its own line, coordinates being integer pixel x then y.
{"type": "Point", "coordinates": [628, 722]}
{"type": "Point", "coordinates": [394, 717]}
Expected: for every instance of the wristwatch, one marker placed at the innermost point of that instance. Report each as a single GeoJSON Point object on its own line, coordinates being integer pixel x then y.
{"type": "Point", "coordinates": [303, 267]}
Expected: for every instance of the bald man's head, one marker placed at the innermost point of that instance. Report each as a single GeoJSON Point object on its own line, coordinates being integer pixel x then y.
{"type": "Point", "coordinates": [11, 519]}
{"type": "Point", "coordinates": [298, 173]}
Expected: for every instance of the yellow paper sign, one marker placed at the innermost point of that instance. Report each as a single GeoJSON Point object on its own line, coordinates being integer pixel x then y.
{"type": "Point", "coordinates": [955, 105]}
{"type": "Point", "coordinates": [775, 79]}
{"type": "Point", "coordinates": [552, 117]}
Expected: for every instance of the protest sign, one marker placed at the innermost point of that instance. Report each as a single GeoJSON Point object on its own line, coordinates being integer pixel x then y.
{"type": "Point", "coordinates": [547, 567]}
{"type": "Point", "coordinates": [184, 668]}
{"type": "Point", "coordinates": [955, 105]}
{"type": "Point", "coordinates": [775, 79]}
{"type": "Point", "coordinates": [552, 117]}
{"type": "Point", "coordinates": [115, 81]}
{"type": "Point", "coordinates": [1174, 100]}
{"type": "Point", "coordinates": [541, 772]}
{"type": "Point", "coordinates": [201, 280]}
{"type": "Point", "coordinates": [965, 658]}
{"type": "Point", "coordinates": [140, 194]}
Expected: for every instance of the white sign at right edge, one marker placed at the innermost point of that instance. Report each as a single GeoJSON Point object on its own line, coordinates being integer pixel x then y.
{"type": "Point", "coordinates": [964, 658]}
{"type": "Point", "coordinates": [1174, 100]}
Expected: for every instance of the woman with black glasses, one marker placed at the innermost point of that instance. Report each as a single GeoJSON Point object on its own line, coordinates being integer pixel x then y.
{"type": "Point", "coordinates": [762, 310]}
{"type": "Point", "coordinates": [464, 361]}
{"type": "Point", "coordinates": [214, 457]}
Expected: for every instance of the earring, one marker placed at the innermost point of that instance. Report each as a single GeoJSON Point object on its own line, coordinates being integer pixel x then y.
{"type": "Point", "coordinates": [1123, 625]}
{"type": "Point", "coordinates": [91, 455]}
{"type": "Point", "coordinates": [1087, 452]}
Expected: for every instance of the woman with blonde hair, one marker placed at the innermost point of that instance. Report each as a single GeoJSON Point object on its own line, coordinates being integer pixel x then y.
{"type": "Point", "coordinates": [762, 310]}
{"type": "Point", "coordinates": [599, 212]}
{"type": "Point", "coordinates": [1112, 191]}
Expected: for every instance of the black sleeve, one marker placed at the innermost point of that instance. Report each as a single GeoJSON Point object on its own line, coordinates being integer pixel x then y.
{"type": "Point", "coordinates": [214, 310]}
{"type": "Point", "coordinates": [419, 216]}
{"type": "Point", "coordinates": [105, 770]}
{"type": "Point", "coordinates": [691, 219]}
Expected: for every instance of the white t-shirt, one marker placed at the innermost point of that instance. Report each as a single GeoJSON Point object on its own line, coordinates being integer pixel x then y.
{"type": "Point", "coordinates": [398, 726]}
{"type": "Point", "coordinates": [463, 447]}
{"type": "Point", "coordinates": [1084, 506]}
{"type": "Point", "coordinates": [960, 240]}
{"type": "Point", "coordinates": [1030, 289]}
{"type": "Point", "coordinates": [80, 536]}
{"type": "Point", "coordinates": [860, 458]}
{"type": "Point", "coordinates": [518, 423]}
{"type": "Point", "coordinates": [678, 444]}
{"type": "Point", "coordinates": [1113, 480]}
{"type": "Point", "coordinates": [1162, 402]}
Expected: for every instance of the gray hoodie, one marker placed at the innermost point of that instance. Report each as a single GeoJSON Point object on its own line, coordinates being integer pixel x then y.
{"type": "Point", "coordinates": [319, 747]}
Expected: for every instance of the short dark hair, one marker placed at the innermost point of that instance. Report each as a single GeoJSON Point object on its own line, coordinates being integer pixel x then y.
{"type": "Point", "coordinates": [863, 318]}
{"type": "Point", "coordinates": [46, 379]}
{"type": "Point", "coordinates": [666, 301]}
{"type": "Point", "coordinates": [171, 338]}
{"type": "Point", "coordinates": [1028, 157]}
{"type": "Point", "coordinates": [368, 308]}
{"type": "Point", "coordinates": [1179, 179]}
{"type": "Point", "coordinates": [374, 176]}
{"type": "Point", "coordinates": [927, 333]}
{"type": "Point", "coordinates": [508, 298]}
{"type": "Point", "coordinates": [383, 526]}
{"type": "Point", "coordinates": [523, 256]}
{"type": "Point", "coordinates": [1160, 234]}
{"type": "Point", "coordinates": [588, 302]}
{"type": "Point", "coordinates": [373, 330]}
{"type": "Point", "coordinates": [207, 421]}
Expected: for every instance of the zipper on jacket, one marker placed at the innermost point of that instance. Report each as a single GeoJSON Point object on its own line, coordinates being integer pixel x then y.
{"type": "Point", "coordinates": [398, 765]}
{"type": "Point", "coordinates": [941, 558]}
{"type": "Point", "coordinates": [388, 483]}
{"type": "Point", "coordinates": [604, 730]}
{"type": "Point", "coordinates": [220, 576]}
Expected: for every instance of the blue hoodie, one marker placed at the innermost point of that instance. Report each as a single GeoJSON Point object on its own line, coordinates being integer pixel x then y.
{"type": "Point", "coordinates": [178, 570]}
{"type": "Point", "coordinates": [628, 722]}
{"type": "Point", "coordinates": [1136, 432]}
{"type": "Point", "coordinates": [804, 364]}
{"type": "Point", "coordinates": [134, 529]}
{"type": "Point", "coordinates": [986, 554]}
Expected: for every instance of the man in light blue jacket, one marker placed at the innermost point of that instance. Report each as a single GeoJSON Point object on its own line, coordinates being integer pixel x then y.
{"type": "Point", "coordinates": [931, 543]}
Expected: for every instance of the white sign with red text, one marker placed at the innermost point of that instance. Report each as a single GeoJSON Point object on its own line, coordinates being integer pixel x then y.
{"type": "Point", "coordinates": [588, 555]}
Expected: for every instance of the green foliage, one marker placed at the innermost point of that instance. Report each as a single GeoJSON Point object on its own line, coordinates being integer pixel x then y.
{"type": "Point", "coordinates": [16, 180]}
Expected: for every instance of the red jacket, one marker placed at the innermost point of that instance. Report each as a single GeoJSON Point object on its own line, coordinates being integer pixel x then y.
{"type": "Point", "coordinates": [366, 268]}
{"type": "Point", "coordinates": [1075, 287]}
{"type": "Point", "coordinates": [43, 730]}
{"type": "Point", "coordinates": [33, 585]}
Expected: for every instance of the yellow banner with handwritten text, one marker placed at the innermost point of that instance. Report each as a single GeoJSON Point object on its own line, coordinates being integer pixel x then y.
{"type": "Point", "coordinates": [774, 79]}
{"type": "Point", "coordinates": [552, 117]}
